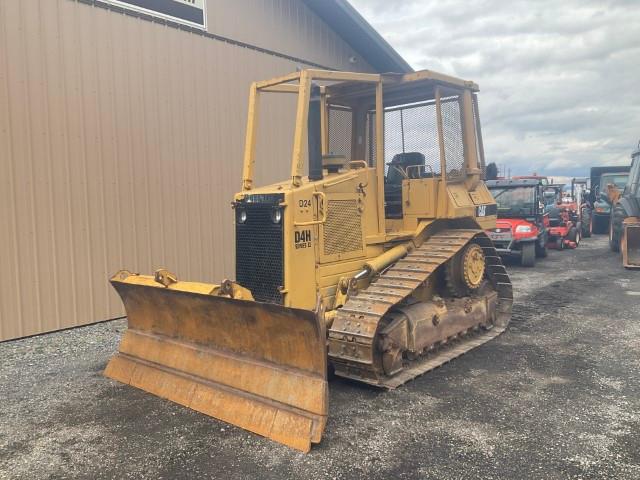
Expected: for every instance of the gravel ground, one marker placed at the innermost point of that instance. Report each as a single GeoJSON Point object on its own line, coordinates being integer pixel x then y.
{"type": "Point", "coordinates": [556, 396]}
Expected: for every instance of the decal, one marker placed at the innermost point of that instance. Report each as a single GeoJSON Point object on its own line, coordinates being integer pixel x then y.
{"type": "Point", "coordinates": [302, 239]}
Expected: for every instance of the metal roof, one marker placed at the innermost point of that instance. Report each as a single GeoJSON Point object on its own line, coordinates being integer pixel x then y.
{"type": "Point", "coordinates": [355, 30]}
{"type": "Point", "coordinates": [521, 182]}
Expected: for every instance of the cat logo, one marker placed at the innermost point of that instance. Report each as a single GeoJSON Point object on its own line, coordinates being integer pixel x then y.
{"type": "Point", "coordinates": [302, 239]}
{"type": "Point", "coordinates": [486, 210]}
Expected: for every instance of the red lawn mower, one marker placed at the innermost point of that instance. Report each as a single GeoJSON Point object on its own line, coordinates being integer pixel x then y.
{"type": "Point", "coordinates": [564, 226]}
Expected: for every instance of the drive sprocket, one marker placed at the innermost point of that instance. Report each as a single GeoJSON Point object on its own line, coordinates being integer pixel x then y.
{"type": "Point", "coordinates": [465, 271]}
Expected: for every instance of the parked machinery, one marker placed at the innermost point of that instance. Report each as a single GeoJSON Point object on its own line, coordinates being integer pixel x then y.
{"type": "Point", "coordinates": [624, 229]}
{"type": "Point", "coordinates": [606, 185]}
{"type": "Point", "coordinates": [521, 228]}
{"type": "Point", "coordinates": [552, 195]}
{"type": "Point", "coordinates": [581, 194]}
{"type": "Point", "coordinates": [565, 228]}
{"type": "Point", "coordinates": [377, 261]}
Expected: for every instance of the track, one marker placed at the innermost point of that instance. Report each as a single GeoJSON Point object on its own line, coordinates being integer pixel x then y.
{"type": "Point", "coordinates": [353, 335]}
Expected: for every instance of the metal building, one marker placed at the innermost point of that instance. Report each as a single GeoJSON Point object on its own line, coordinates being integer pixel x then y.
{"type": "Point", "coordinates": [121, 137]}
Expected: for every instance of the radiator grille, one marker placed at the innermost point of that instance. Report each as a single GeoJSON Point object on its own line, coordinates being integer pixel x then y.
{"type": "Point", "coordinates": [342, 230]}
{"type": "Point", "coordinates": [260, 249]}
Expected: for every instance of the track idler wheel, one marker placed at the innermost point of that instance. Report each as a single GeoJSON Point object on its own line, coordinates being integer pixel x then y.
{"type": "Point", "coordinates": [465, 271]}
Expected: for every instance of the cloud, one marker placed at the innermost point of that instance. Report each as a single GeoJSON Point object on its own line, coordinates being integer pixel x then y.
{"type": "Point", "coordinates": [559, 80]}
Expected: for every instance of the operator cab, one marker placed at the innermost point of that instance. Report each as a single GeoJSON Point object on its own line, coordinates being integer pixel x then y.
{"type": "Point", "coordinates": [619, 180]}
{"type": "Point", "coordinates": [516, 198]}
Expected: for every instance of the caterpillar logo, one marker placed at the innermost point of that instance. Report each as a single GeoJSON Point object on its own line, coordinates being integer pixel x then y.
{"type": "Point", "coordinates": [302, 239]}
{"type": "Point", "coordinates": [486, 210]}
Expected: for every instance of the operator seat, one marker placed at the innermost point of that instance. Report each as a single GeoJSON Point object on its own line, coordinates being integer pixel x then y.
{"type": "Point", "coordinates": [393, 181]}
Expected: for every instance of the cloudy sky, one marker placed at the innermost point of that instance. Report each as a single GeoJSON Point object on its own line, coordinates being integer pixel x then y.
{"type": "Point", "coordinates": [559, 79]}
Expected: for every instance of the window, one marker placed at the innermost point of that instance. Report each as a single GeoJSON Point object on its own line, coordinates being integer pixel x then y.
{"type": "Point", "coordinates": [516, 201]}
{"type": "Point", "coordinates": [189, 12]}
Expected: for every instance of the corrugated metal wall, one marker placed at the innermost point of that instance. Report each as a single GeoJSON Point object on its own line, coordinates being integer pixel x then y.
{"type": "Point", "coordinates": [121, 146]}
{"type": "Point", "coordinates": [286, 26]}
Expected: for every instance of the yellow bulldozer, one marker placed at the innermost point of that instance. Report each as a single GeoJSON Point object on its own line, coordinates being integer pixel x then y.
{"type": "Point", "coordinates": [374, 265]}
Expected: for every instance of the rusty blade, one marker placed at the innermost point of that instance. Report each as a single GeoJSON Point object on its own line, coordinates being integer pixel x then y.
{"type": "Point", "coordinates": [259, 366]}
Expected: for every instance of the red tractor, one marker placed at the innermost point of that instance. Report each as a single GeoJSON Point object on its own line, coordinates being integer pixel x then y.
{"type": "Point", "coordinates": [521, 228]}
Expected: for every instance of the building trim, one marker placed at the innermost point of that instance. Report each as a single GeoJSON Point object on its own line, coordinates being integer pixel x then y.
{"type": "Point", "coordinates": [357, 32]}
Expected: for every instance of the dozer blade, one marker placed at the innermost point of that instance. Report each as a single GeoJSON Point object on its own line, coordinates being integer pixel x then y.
{"type": "Point", "coordinates": [259, 366]}
{"type": "Point", "coordinates": [631, 243]}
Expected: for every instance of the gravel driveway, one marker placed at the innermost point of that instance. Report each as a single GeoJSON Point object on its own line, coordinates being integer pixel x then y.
{"type": "Point", "coordinates": [556, 396]}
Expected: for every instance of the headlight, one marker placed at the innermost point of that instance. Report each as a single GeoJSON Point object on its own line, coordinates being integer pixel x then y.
{"type": "Point", "coordinates": [276, 216]}
{"type": "Point", "coordinates": [523, 229]}
{"type": "Point", "coordinates": [241, 216]}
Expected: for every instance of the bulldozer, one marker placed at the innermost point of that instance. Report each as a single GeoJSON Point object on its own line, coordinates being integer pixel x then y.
{"type": "Point", "coordinates": [370, 262]}
{"type": "Point", "coordinates": [624, 227]}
